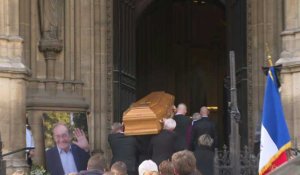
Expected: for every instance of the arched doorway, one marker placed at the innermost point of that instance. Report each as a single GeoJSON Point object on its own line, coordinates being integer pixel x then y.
{"type": "Point", "coordinates": [180, 46]}
{"type": "Point", "coordinates": [181, 49]}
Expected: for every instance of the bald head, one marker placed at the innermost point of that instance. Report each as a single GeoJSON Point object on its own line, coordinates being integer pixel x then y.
{"type": "Point", "coordinates": [204, 111]}
{"type": "Point", "coordinates": [182, 109]}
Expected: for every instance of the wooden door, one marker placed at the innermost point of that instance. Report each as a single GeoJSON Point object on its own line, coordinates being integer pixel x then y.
{"type": "Point", "coordinates": [124, 78]}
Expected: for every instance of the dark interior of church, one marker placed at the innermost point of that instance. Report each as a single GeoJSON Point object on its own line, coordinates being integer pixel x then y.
{"type": "Point", "coordinates": [181, 47]}
{"type": "Point", "coordinates": [181, 50]}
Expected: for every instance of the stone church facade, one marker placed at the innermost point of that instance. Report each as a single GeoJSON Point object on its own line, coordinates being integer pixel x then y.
{"type": "Point", "coordinates": [58, 55]}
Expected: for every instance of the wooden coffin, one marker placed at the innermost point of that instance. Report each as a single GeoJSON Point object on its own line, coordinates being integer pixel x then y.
{"type": "Point", "coordinates": [144, 116]}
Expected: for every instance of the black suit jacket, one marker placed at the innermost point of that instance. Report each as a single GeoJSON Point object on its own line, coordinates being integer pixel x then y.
{"type": "Point", "coordinates": [203, 126]}
{"type": "Point", "coordinates": [162, 146]}
{"type": "Point", "coordinates": [54, 165]}
{"type": "Point", "coordinates": [182, 124]}
{"type": "Point", "coordinates": [204, 160]}
{"type": "Point", "coordinates": [144, 143]}
{"type": "Point", "coordinates": [124, 148]}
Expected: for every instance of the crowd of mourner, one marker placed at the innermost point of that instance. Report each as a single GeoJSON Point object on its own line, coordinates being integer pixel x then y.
{"type": "Point", "coordinates": [185, 146]}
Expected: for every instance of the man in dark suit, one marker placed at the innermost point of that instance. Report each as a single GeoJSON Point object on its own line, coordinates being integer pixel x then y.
{"type": "Point", "coordinates": [124, 148]}
{"type": "Point", "coordinates": [162, 144]}
{"type": "Point", "coordinates": [65, 157]}
{"type": "Point", "coordinates": [182, 124]}
{"type": "Point", "coordinates": [203, 126]}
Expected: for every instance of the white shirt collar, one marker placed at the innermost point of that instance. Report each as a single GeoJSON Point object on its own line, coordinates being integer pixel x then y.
{"type": "Point", "coordinates": [63, 151]}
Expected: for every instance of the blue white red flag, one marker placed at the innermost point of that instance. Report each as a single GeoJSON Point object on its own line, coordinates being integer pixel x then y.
{"type": "Point", "coordinates": [275, 139]}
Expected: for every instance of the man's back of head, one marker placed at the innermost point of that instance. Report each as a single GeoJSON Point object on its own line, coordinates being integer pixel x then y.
{"type": "Point", "coordinates": [181, 109]}
{"type": "Point", "coordinates": [96, 162]}
{"type": "Point", "coordinates": [169, 124]}
{"type": "Point", "coordinates": [184, 162]}
{"type": "Point", "coordinates": [196, 116]}
{"type": "Point", "coordinates": [119, 168]}
{"type": "Point", "coordinates": [148, 167]}
{"type": "Point", "coordinates": [166, 168]}
{"type": "Point", "coordinates": [204, 112]}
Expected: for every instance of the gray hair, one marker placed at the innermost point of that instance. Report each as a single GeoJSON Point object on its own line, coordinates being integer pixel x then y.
{"type": "Point", "coordinates": [169, 124]}
{"type": "Point", "coordinates": [146, 166]}
{"type": "Point", "coordinates": [115, 127]}
{"type": "Point", "coordinates": [120, 167]}
{"type": "Point", "coordinates": [205, 140]}
{"type": "Point", "coordinates": [96, 162]}
{"type": "Point", "coordinates": [184, 162]}
{"type": "Point", "coordinates": [56, 125]}
{"type": "Point", "coordinates": [196, 116]}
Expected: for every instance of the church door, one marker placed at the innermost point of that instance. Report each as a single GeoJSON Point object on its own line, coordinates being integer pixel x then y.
{"type": "Point", "coordinates": [124, 78]}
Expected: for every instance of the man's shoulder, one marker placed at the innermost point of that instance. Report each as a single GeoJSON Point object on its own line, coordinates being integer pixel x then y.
{"type": "Point", "coordinates": [51, 150]}
{"type": "Point", "coordinates": [90, 172]}
{"type": "Point", "coordinates": [161, 134]}
{"type": "Point", "coordinates": [180, 117]}
{"type": "Point", "coordinates": [51, 154]}
{"type": "Point", "coordinates": [116, 135]}
{"type": "Point", "coordinates": [167, 132]}
{"type": "Point", "coordinates": [204, 120]}
{"type": "Point", "coordinates": [76, 148]}
{"type": "Point", "coordinates": [164, 134]}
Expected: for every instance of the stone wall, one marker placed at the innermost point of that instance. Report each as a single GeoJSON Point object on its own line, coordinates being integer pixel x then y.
{"type": "Point", "coordinates": [13, 76]}
{"type": "Point", "coordinates": [75, 72]}
{"type": "Point", "coordinates": [290, 59]}
{"type": "Point", "coordinates": [264, 25]}
{"type": "Point", "coordinates": [69, 63]}
{"type": "Point", "coordinates": [275, 23]}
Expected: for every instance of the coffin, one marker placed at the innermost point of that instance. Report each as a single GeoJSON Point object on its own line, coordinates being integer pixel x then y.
{"type": "Point", "coordinates": [144, 116]}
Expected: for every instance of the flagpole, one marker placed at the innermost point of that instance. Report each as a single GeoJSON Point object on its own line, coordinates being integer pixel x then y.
{"type": "Point", "coordinates": [273, 151]}
{"type": "Point", "coordinates": [269, 57]}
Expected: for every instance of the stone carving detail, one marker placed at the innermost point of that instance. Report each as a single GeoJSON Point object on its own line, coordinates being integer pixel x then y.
{"type": "Point", "coordinates": [50, 15]}
{"type": "Point", "coordinates": [249, 71]}
{"type": "Point", "coordinates": [50, 12]}
{"type": "Point", "coordinates": [109, 37]}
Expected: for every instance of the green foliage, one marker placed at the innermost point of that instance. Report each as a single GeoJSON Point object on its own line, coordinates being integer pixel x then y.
{"type": "Point", "coordinates": [80, 120]}
{"type": "Point", "coordinates": [38, 170]}
{"type": "Point", "coordinates": [51, 118]}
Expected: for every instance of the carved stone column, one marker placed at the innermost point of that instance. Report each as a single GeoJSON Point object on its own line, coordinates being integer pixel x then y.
{"type": "Point", "coordinates": [36, 123]}
{"type": "Point", "coordinates": [290, 59]}
{"type": "Point", "coordinates": [264, 25]}
{"type": "Point", "coordinates": [50, 44]}
{"type": "Point", "coordinates": [12, 86]}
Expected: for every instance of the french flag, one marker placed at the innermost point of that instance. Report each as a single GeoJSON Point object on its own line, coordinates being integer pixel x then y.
{"type": "Point", "coordinates": [275, 139]}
